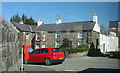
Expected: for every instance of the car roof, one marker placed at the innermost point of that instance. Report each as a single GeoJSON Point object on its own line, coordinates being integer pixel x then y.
{"type": "Point", "coordinates": [48, 48]}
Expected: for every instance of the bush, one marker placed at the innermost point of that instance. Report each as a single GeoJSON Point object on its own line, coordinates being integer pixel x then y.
{"type": "Point", "coordinates": [81, 48]}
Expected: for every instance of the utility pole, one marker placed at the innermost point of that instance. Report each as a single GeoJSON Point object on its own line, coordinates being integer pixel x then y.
{"type": "Point", "coordinates": [22, 68]}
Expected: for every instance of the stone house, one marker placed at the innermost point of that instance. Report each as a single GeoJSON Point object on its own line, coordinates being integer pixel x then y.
{"type": "Point", "coordinates": [25, 36]}
{"type": "Point", "coordinates": [70, 34]}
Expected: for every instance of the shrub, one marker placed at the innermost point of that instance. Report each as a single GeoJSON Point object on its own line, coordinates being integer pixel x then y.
{"type": "Point", "coordinates": [81, 48]}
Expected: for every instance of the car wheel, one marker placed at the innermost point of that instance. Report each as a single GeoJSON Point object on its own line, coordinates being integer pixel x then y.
{"type": "Point", "coordinates": [47, 61]}
{"type": "Point", "coordinates": [26, 62]}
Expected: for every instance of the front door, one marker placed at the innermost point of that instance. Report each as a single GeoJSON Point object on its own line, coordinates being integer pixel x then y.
{"type": "Point", "coordinates": [66, 43]}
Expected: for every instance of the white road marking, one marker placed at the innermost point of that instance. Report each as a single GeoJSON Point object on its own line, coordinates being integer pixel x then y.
{"type": "Point", "coordinates": [69, 70]}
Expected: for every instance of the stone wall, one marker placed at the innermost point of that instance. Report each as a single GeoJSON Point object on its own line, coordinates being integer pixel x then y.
{"type": "Point", "coordinates": [71, 36]}
{"type": "Point", "coordinates": [87, 38]}
{"type": "Point", "coordinates": [9, 49]}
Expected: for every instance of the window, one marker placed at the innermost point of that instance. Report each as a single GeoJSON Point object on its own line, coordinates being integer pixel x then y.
{"type": "Point", "coordinates": [44, 50]}
{"type": "Point", "coordinates": [57, 44]}
{"type": "Point", "coordinates": [57, 35]}
{"type": "Point", "coordinates": [35, 52]}
{"type": "Point", "coordinates": [43, 46]}
{"type": "Point", "coordinates": [57, 50]}
{"type": "Point", "coordinates": [43, 36]}
{"type": "Point", "coordinates": [27, 36]}
{"type": "Point", "coordinates": [80, 35]}
{"type": "Point", "coordinates": [43, 39]}
{"type": "Point", "coordinates": [80, 43]}
{"type": "Point", "coordinates": [38, 36]}
{"type": "Point", "coordinates": [37, 46]}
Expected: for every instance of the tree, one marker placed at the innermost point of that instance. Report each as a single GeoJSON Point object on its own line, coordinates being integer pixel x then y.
{"type": "Point", "coordinates": [24, 18]}
{"type": "Point", "coordinates": [30, 21]}
{"type": "Point", "coordinates": [15, 18]}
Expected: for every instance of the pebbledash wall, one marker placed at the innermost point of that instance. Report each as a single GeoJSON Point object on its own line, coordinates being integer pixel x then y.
{"type": "Point", "coordinates": [9, 49]}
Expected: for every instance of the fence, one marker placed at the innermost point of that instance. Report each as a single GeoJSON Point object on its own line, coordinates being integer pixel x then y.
{"type": "Point", "coordinates": [9, 49]}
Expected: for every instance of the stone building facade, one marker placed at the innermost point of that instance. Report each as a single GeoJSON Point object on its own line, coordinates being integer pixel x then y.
{"type": "Point", "coordinates": [57, 36]}
{"type": "Point", "coordinates": [25, 35]}
{"type": "Point", "coordinates": [71, 34]}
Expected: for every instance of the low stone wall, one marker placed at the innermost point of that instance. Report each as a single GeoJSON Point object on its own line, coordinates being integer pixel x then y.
{"type": "Point", "coordinates": [8, 57]}
{"type": "Point", "coordinates": [77, 55]}
{"type": "Point", "coordinates": [9, 49]}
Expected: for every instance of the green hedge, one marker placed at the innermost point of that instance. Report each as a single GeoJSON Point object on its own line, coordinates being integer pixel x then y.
{"type": "Point", "coordinates": [81, 48]}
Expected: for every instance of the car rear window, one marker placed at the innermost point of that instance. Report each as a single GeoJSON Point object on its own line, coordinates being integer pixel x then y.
{"type": "Point", "coordinates": [57, 50]}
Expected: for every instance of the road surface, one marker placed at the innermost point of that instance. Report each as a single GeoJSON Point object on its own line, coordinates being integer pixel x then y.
{"type": "Point", "coordinates": [77, 64]}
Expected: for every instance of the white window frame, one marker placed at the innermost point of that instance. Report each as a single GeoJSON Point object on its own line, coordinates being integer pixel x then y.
{"type": "Point", "coordinates": [43, 46]}
{"type": "Point", "coordinates": [57, 44]}
{"type": "Point", "coordinates": [80, 43]}
{"type": "Point", "coordinates": [37, 36]}
{"type": "Point", "coordinates": [43, 39]}
{"type": "Point", "coordinates": [57, 35]}
{"type": "Point", "coordinates": [80, 35]}
{"type": "Point", "coordinates": [27, 36]}
{"type": "Point", "coordinates": [43, 36]}
{"type": "Point", "coordinates": [37, 46]}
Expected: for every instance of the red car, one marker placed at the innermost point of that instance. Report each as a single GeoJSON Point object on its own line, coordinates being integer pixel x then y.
{"type": "Point", "coordinates": [47, 55]}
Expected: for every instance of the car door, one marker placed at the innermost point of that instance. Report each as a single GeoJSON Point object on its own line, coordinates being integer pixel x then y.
{"type": "Point", "coordinates": [42, 55]}
{"type": "Point", "coordinates": [39, 55]}
{"type": "Point", "coordinates": [33, 56]}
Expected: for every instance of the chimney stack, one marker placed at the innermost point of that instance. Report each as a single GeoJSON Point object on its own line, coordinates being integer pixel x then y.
{"type": "Point", "coordinates": [58, 21]}
{"type": "Point", "coordinates": [95, 18]}
{"type": "Point", "coordinates": [21, 22]}
{"type": "Point", "coordinates": [40, 22]}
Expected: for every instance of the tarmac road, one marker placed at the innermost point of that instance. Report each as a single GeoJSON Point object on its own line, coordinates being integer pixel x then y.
{"type": "Point", "coordinates": [77, 64]}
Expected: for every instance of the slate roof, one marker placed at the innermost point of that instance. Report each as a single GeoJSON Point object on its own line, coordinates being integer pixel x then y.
{"type": "Point", "coordinates": [114, 26]}
{"type": "Point", "coordinates": [72, 26]}
{"type": "Point", "coordinates": [24, 27]}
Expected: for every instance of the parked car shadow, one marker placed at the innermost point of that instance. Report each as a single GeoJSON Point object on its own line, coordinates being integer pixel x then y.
{"type": "Point", "coordinates": [43, 64]}
{"type": "Point", "coordinates": [100, 70]}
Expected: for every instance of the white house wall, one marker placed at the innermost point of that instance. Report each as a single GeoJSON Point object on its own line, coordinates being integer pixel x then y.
{"type": "Point", "coordinates": [104, 43]}
{"type": "Point", "coordinates": [97, 28]}
{"type": "Point", "coordinates": [113, 43]}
